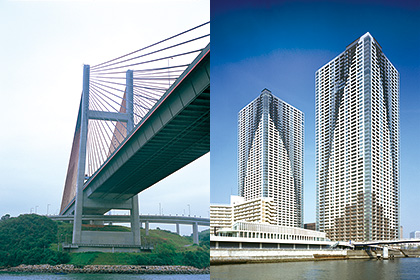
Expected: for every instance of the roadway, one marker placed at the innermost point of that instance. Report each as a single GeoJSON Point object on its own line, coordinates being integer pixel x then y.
{"type": "Point", "coordinates": [385, 242]}
{"type": "Point", "coordinates": [158, 219]}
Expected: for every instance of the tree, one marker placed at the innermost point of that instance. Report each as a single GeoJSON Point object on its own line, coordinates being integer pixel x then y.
{"type": "Point", "coordinates": [5, 217]}
{"type": "Point", "coordinates": [199, 258]}
{"type": "Point", "coordinates": [27, 239]}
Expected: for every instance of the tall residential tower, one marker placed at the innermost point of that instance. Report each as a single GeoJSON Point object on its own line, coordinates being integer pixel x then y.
{"type": "Point", "coordinates": [357, 144]}
{"type": "Point", "coordinates": [270, 156]}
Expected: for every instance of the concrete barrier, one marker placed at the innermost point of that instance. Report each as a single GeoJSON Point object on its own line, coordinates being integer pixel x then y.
{"type": "Point", "coordinates": [231, 256]}
{"type": "Point", "coordinates": [226, 256]}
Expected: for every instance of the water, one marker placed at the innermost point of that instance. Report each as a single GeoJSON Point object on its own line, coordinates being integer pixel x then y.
{"type": "Point", "coordinates": [33, 276]}
{"type": "Point", "coordinates": [404, 268]}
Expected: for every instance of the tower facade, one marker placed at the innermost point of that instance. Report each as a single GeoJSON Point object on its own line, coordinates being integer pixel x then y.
{"type": "Point", "coordinates": [357, 144]}
{"type": "Point", "coordinates": [270, 156]}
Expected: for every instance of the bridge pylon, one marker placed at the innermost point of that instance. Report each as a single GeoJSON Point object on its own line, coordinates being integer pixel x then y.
{"type": "Point", "coordinates": [85, 205]}
{"type": "Point", "coordinates": [111, 162]}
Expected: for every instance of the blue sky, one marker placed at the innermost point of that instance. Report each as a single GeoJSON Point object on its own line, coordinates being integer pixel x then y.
{"type": "Point", "coordinates": [279, 45]}
{"type": "Point", "coordinates": [44, 45]}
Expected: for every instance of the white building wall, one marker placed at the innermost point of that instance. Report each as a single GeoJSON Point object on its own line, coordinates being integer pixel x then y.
{"type": "Point", "coordinates": [258, 210]}
{"type": "Point", "coordinates": [220, 217]}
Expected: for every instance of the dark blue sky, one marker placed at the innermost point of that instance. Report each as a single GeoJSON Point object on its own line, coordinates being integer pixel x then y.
{"type": "Point", "coordinates": [279, 45]}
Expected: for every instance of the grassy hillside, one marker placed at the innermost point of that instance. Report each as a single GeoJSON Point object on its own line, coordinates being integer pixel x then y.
{"type": "Point", "coordinates": [33, 239]}
{"type": "Point", "coordinates": [169, 249]}
{"type": "Point", "coordinates": [156, 236]}
{"type": "Point", "coordinates": [98, 258]}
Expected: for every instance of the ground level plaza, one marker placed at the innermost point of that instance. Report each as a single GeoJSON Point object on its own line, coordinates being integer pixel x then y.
{"type": "Point", "coordinates": [267, 231]}
{"type": "Point", "coordinates": [266, 236]}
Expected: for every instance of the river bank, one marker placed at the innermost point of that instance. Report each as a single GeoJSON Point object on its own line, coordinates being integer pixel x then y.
{"type": "Point", "coordinates": [242, 256]}
{"type": "Point", "coordinates": [116, 269]}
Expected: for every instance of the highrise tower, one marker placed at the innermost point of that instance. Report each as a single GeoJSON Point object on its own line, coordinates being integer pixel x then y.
{"type": "Point", "coordinates": [357, 144]}
{"type": "Point", "coordinates": [270, 156]}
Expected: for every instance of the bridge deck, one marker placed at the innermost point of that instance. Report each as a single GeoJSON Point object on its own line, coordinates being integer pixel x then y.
{"type": "Point", "coordinates": [385, 242]}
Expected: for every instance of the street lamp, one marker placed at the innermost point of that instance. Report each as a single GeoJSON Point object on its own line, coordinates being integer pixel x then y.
{"type": "Point", "coordinates": [189, 210]}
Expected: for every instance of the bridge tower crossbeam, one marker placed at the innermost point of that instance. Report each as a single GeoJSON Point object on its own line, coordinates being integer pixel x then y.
{"type": "Point", "coordinates": [140, 119]}
{"type": "Point", "coordinates": [81, 201]}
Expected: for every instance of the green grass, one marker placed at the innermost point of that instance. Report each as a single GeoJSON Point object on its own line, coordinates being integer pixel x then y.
{"type": "Point", "coordinates": [82, 259]}
{"type": "Point", "coordinates": [181, 243]}
{"type": "Point", "coordinates": [115, 258]}
{"type": "Point", "coordinates": [99, 258]}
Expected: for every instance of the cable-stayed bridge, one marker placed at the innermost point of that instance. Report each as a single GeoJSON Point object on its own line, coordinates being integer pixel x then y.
{"type": "Point", "coordinates": [142, 116]}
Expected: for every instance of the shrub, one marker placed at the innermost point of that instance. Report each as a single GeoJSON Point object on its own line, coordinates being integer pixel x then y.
{"type": "Point", "coordinates": [27, 240]}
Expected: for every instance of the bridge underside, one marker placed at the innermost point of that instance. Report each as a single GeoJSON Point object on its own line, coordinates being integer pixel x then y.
{"type": "Point", "coordinates": [174, 134]}
{"type": "Point", "coordinates": [173, 146]}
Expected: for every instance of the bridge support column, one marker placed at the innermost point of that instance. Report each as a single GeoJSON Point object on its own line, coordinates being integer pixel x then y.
{"type": "Point", "coordinates": [83, 130]}
{"type": "Point", "coordinates": [135, 220]}
{"type": "Point", "coordinates": [195, 233]}
{"type": "Point", "coordinates": [129, 100]}
{"type": "Point", "coordinates": [385, 252]}
{"type": "Point", "coordinates": [177, 229]}
{"type": "Point", "coordinates": [146, 226]}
